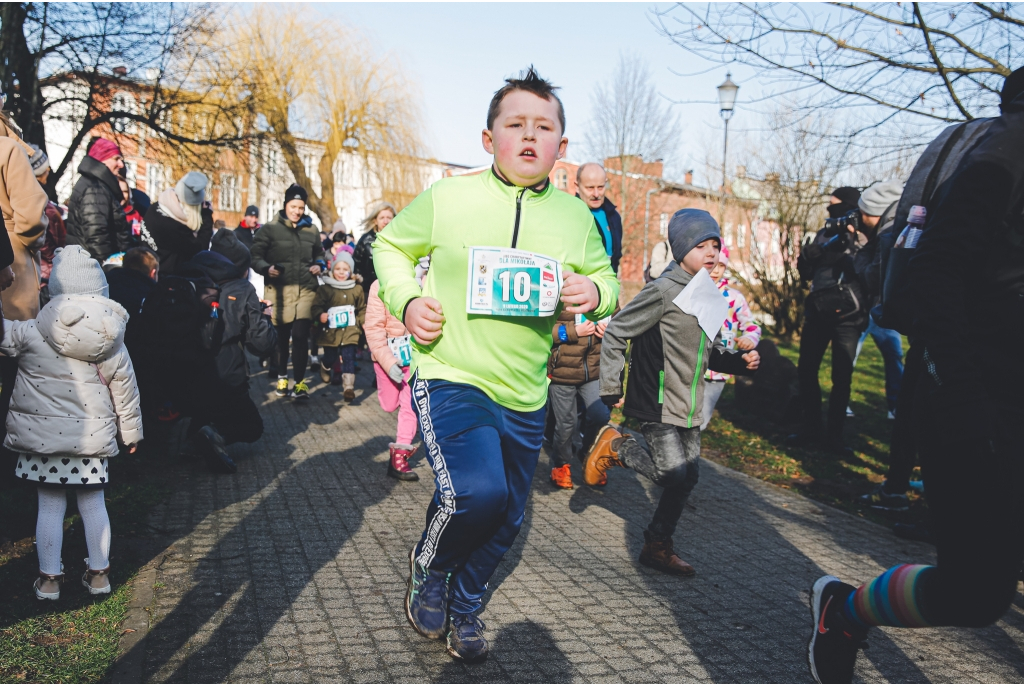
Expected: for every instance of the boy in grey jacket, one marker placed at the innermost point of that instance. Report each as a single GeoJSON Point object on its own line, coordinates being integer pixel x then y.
{"type": "Point", "coordinates": [675, 325]}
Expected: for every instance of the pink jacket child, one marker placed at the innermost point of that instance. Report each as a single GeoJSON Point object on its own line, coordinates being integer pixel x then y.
{"type": "Point", "coordinates": [388, 341]}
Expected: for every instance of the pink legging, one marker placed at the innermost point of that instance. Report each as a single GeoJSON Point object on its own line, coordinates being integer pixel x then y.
{"type": "Point", "coordinates": [393, 396]}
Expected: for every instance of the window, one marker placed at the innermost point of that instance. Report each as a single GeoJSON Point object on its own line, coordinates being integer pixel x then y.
{"type": "Point", "coordinates": [273, 163]}
{"type": "Point", "coordinates": [776, 240]}
{"type": "Point", "coordinates": [154, 180]}
{"type": "Point", "coordinates": [561, 179]}
{"type": "Point", "coordinates": [663, 228]}
{"type": "Point", "coordinates": [727, 235]}
{"type": "Point", "coordinates": [230, 193]}
{"type": "Point", "coordinates": [123, 102]}
{"type": "Point", "coordinates": [741, 235]}
{"type": "Point", "coordinates": [271, 206]}
{"type": "Point", "coordinates": [131, 172]}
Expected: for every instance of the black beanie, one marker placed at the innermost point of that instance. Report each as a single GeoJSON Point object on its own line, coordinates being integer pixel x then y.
{"type": "Point", "coordinates": [1012, 87]}
{"type": "Point", "coordinates": [295, 192]}
{"type": "Point", "coordinates": [848, 194]}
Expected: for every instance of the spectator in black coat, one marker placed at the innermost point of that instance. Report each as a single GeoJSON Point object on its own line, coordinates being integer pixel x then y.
{"type": "Point", "coordinates": [133, 281]}
{"type": "Point", "coordinates": [96, 219]}
{"type": "Point", "coordinates": [226, 414]}
{"type": "Point", "coordinates": [591, 182]}
{"type": "Point", "coordinates": [248, 226]}
{"type": "Point", "coordinates": [180, 223]}
{"type": "Point", "coordinates": [379, 217]}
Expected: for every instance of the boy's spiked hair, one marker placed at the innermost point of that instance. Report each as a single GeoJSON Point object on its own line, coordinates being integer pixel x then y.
{"type": "Point", "coordinates": [530, 81]}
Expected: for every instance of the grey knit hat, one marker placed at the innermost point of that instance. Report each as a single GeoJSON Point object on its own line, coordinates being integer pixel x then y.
{"type": "Point", "coordinates": [876, 199]}
{"type": "Point", "coordinates": [191, 189]}
{"type": "Point", "coordinates": [344, 256]}
{"type": "Point", "coordinates": [39, 161]}
{"type": "Point", "coordinates": [688, 228]}
{"type": "Point", "coordinates": [76, 273]}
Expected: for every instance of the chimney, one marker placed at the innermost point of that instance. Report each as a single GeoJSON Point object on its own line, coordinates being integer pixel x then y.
{"type": "Point", "coordinates": [120, 72]}
{"type": "Point", "coordinates": [688, 178]}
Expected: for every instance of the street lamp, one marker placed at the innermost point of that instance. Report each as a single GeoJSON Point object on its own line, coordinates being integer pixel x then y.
{"type": "Point", "coordinates": [726, 102]}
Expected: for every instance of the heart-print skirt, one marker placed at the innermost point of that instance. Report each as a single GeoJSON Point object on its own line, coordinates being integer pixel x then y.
{"type": "Point", "coordinates": [62, 472]}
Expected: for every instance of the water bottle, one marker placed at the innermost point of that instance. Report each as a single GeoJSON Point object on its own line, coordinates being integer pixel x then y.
{"type": "Point", "coordinates": [915, 226]}
{"type": "Point", "coordinates": [215, 310]}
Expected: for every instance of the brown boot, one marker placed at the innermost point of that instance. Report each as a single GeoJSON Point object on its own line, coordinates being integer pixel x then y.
{"type": "Point", "coordinates": [398, 467]}
{"type": "Point", "coordinates": [602, 456]}
{"type": "Point", "coordinates": [659, 555]}
{"type": "Point", "coordinates": [325, 373]}
{"type": "Point", "coordinates": [348, 382]}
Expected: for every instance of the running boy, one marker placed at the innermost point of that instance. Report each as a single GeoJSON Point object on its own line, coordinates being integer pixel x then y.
{"type": "Point", "coordinates": [670, 322]}
{"type": "Point", "coordinates": [481, 329]}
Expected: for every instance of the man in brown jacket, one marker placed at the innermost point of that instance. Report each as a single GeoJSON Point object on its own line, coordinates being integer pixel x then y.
{"type": "Point", "coordinates": [574, 368]}
{"type": "Point", "coordinates": [23, 204]}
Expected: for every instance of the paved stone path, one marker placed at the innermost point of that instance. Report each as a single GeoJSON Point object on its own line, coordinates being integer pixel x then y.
{"type": "Point", "coordinates": [294, 569]}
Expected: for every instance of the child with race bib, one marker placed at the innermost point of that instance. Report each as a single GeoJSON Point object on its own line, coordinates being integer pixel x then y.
{"type": "Point", "coordinates": [675, 326]}
{"type": "Point", "coordinates": [339, 308]}
{"type": "Point", "coordinates": [391, 350]}
{"type": "Point", "coordinates": [508, 251]}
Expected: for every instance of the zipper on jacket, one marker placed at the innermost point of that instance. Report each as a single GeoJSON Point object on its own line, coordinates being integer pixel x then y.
{"type": "Point", "coordinates": [697, 377]}
{"type": "Point", "coordinates": [519, 211]}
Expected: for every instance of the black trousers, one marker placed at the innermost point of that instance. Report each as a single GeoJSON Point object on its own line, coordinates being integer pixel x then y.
{"type": "Point", "coordinates": [903, 446]}
{"type": "Point", "coordinates": [231, 411]}
{"type": "Point", "coordinates": [973, 463]}
{"type": "Point", "coordinates": [814, 340]}
{"type": "Point", "coordinates": [298, 333]}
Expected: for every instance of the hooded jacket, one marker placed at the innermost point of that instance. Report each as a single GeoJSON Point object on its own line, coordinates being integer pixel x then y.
{"type": "Point", "coordinates": [380, 324]}
{"type": "Point", "coordinates": [331, 295]}
{"type": "Point", "coordinates": [175, 242]}
{"type": "Point", "coordinates": [23, 203]}
{"type": "Point", "coordinates": [245, 327]}
{"type": "Point", "coordinates": [669, 357]}
{"type": "Point", "coordinates": [76, 390]}
{"type": "Point", "coordinates": [96, 220]}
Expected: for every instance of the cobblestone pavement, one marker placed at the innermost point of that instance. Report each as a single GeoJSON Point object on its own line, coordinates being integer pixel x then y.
{"type": "Point", "coordinates": [294, 570]}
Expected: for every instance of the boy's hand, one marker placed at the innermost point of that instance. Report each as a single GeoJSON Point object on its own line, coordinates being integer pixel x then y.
{"type": "Point", "coordinates": [423, 319]}
{"type": "Point", "coordinates": [133, 448]}
{"type": "Point", "coordinates": [745, 343]}
{"type": "Point", "coordinates": [323, 318]}
{"type": "Point", "coordinates": [584, 329]}
{"type": "Point", "coordinates": [579, 294]}
{"type": "Point", "coordinates": [753, 360]}
{"type": "Point", "coordinates": [315, 269]}
{"type": "Point", "coordinates": [602, 326]}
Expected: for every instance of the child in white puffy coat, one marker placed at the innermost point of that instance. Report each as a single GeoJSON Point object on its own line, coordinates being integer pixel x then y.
{"type": "Point", "coordinates": [74, 396]}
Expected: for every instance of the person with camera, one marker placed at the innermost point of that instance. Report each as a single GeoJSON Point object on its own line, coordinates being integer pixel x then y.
{"type": "Point", "coordinates": [836, 310]}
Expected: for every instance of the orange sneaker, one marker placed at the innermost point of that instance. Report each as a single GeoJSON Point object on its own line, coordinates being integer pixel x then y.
{"type": "Point", "coordinates": [602, 456]}
{"type": "Point", "coordinates": [561, 477]}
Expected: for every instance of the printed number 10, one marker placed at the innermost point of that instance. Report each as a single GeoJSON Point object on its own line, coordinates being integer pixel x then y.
{"type": "Point", "coordinates": [518, 284]}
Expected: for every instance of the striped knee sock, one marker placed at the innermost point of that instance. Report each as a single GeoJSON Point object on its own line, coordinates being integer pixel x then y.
{"type": "Point", "coordinates": [891, 599]}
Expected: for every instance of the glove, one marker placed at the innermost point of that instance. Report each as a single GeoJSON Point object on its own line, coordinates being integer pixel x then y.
{"type": "Point", "coordinates": [610, 400]}
{"type": "Point", "coordinates": [395, 373]}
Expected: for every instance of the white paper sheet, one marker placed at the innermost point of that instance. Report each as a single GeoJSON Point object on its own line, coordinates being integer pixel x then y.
{"type": "Point", "coordinates": [702, 299]}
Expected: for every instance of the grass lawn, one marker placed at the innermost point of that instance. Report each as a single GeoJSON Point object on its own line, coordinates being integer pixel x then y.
{"type": "Point", "coordinates": [755, 446]}
{"type": "Point", "coordinates": [74, 639]}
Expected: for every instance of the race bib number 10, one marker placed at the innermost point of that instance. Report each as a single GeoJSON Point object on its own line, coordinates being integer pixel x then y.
{"type": "Point", "coordinates": [507, 282]}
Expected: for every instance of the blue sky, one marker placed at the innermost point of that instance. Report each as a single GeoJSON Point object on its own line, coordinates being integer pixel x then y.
{"type": "Point", "coordinates": [458, 54]}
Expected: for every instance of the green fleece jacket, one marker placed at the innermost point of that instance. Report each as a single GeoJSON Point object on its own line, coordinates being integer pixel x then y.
{"type": "Point", "coordinates": [506, 357]}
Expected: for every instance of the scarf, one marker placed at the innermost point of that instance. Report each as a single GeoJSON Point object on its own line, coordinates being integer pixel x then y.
{"type": "Point", "coordinates": [337, 285]}
{"type": "Point", "coordinates": [171, 206]}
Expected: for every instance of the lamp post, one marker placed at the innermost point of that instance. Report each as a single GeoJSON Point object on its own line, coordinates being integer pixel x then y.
{"type": "Point", "coordinates": [726, 102]}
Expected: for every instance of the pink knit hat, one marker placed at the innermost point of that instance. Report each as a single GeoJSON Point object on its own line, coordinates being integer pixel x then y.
{"type": "Point", "coordinates": [103, 150]}
{"type": "Point", "coordinates": [723, 256]}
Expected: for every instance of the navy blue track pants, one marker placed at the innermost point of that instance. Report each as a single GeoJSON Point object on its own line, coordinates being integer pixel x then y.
{"type": "Point", "coordinates": [483, 456]}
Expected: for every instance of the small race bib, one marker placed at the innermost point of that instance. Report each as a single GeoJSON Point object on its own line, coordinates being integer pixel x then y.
{"type": "Point", "coordinates": [402, 350]}
{"type": "Point", "coordinates": [507, 282]}
{"type": "Point", "coordinates": [341, 317]}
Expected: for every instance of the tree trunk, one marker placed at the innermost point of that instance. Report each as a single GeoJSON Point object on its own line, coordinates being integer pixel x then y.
{"type": "Point", "coordinates": [18, 63]}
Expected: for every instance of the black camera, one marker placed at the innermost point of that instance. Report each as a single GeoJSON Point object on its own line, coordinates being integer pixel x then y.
{"type": "Point", "coordinates": [839, 224]}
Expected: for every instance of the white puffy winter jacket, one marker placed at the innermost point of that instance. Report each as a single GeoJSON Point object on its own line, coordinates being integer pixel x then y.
{"type": "Point", "coordinates": [76, 387]}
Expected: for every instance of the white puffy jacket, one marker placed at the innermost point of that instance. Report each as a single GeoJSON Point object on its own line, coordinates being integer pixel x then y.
{"type": "Point", "coordinates": [76, 387]}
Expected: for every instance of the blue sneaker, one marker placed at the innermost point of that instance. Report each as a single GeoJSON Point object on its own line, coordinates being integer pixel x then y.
{"type": "Point", "coordinates": [466, 641]}
{"type": "Point", "coordinates": [426, 602]}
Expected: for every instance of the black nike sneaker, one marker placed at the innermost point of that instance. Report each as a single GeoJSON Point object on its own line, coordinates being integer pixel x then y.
{"type": "Point", "coordinates": [835, 641]}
